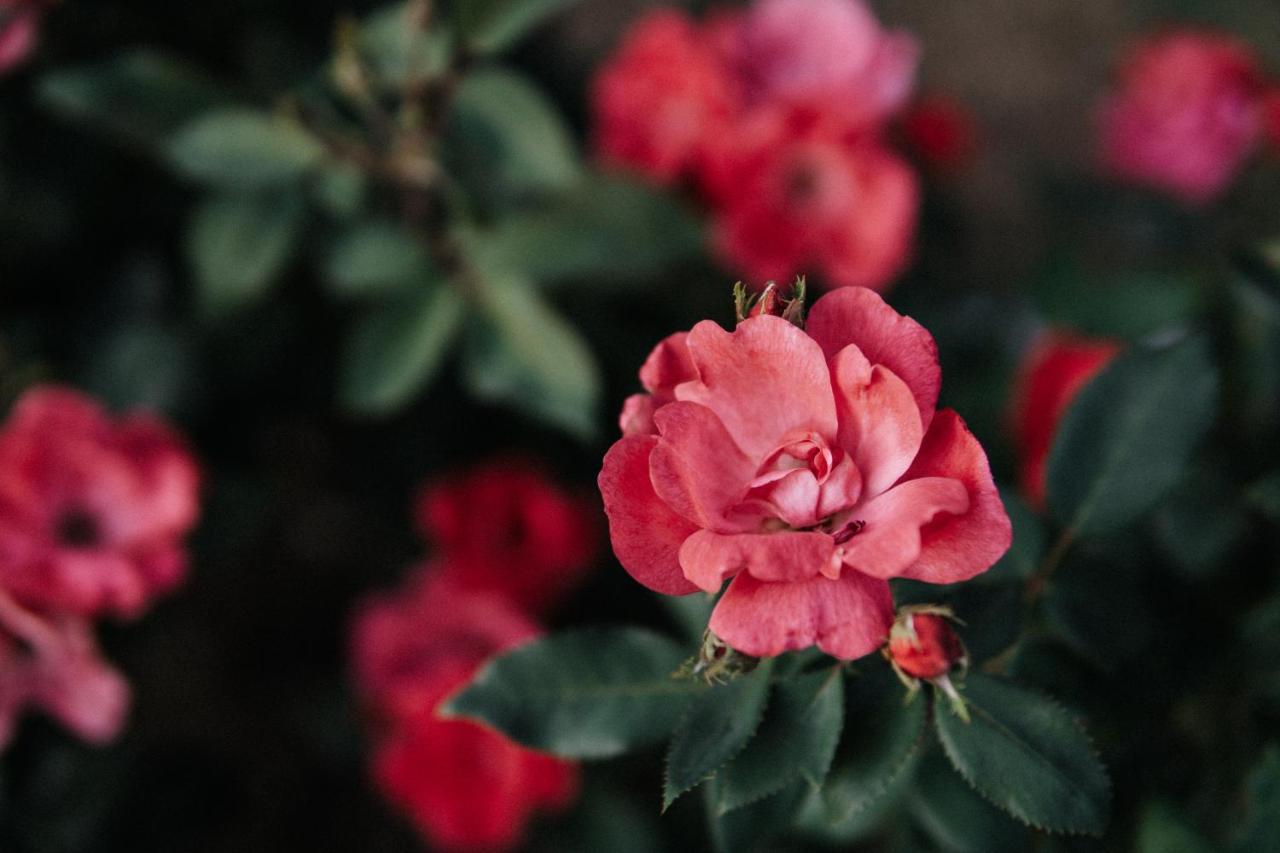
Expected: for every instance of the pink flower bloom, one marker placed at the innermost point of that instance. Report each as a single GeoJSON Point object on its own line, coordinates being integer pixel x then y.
{"type": "Point", "coordinates": [1053, 372]}
{"type": "Point", "coordinates": [828, 52]}
{"type": "Point", "coordinates": [504, 526]}
{"type": "Point", "coordinates": [53, 663]}
{"type": "Point", "coordinates": [795, 192]}
{"type": "Point", "coordinates": [93, 511]}
{"type": "Point", "coordinates": [942, 133]}
{"type": "Point", "coordinates": [666, 367]}
{"type": "Point", "coordinates": [1185, 116]}
{"type": "Point", "coordinates": [660, 97]}
{"type": "Point", "coordinates": [466, 787]}
{"type": "Point", "coordinates": [810, 467]}
{"type": "Point", "coordinates": [19, 23]}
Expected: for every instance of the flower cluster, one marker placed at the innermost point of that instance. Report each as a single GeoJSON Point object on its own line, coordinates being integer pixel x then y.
{"type": "Point", "coordinates": [777, 115]}
{"type": "Point", "coordinates": [509, 543]}
{"type": "Point", "coordinates": [810, 466]}
{"type": "Point", "coordinates": [93, 514]}
{"type": "Point", "coordinates": [1189, 109]}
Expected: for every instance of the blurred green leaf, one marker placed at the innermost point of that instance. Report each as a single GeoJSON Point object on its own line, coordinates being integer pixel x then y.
{"type": "Point", "coordinates": [376, 258]}
{"type": "Point", "coordinates": [1023, 557]}
{"type": "Point", "coordinates": [242, 149]}
{"type": "Point", "coordinates": [505, 141]}
{"type": "Point", "coordinates": [1264, 496]}
{"type": "Point", "coordinates": [1199, 524]}
{"type": "Point", "coordinates": [1257, 833]}
{"type": "Point", "coordinates": [520, 351]}
{"type": "Point", "coordinates": [239, 244]}
{"type": "Point", "coordinates": [489, 26]}
{"type": "Point", "coordinates": [582, 694]}
{"type": "Point", "coordinates": [1129, 436]}
{"type": "Point", "coordinates": [141, 365]}
{"type": "Point", "coordinates": [602, 819]}
{"type": "Point", "coordinates": [1164, 829]}
{"type": "Point", "coordinates": [339, 190]}
{"type": "Point", "coordinates": [955, 818]}
{"type": "Point", "coordinates": [1126, 304]}
{"type": "Point", "coordinates": [1107, 629]}
{"type": "Point", "coordinates": [398, 49]}
{"type": "Point", "coordinates": [718, 725]}
{"type": "Point", "coordinates": [606, 229]}
{"type": "Point", "coordinates": [797, 739]}
{"type": "Point", "coordinates": [690, 612]}
{"type": "Point", "coordinates": [878, 750]}
{"type": "Point", "coordinates": [396, 347]}
{"type": "Point", "coordinates": [755, 827]}
{"type": "Point", "coordinates": [1026, 755]}
{"type": "Point", "coordinates": [139, 95]}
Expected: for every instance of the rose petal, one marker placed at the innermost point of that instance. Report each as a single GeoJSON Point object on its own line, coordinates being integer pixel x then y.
{"type": "Point", "coordinates": [646, 534]}
{"type": "Point", "coordinates": [668, 365]}
{"type": "Point", "coordinates": [637, 415]}
{"type": "Point", "coordinates": [956, 547]}
{"type": "Point", "coordinates": [890, 541]}
{"type": "Point", "coordinates": [763, 380]}
{"type": "Point", "coordinates": [846, 618]}
{"type": "Point", "coordinates": [879, 422]}
{"type": "Point", "coordinates": [855, 315]}
{"type": "Point", "coordinates": [698, 471]}
{"type": "Point", "coordinates": [708, 558]}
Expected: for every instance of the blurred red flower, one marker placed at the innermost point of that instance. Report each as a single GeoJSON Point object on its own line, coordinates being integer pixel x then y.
{"type": "Point", "coordinates": [93, 510]}
{"type": "Point", "coordinates": [810, 467]}
{"type": "Point", "coordinates": [1185, 115]}
{"type": "Point", "coordinates": [941, 132]}
{"type": "Point", "coordinates": [466, 787]}
{"type": "Point", "coordinates": [505, 526]}
{"type": "Point", "coordinates": [19, 23]}
{"type": "Point", "coordinates": [1053, 372]}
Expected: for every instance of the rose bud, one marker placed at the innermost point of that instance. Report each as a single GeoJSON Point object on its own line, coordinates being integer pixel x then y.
{"type": "Point", "coordinates": [923, 646]}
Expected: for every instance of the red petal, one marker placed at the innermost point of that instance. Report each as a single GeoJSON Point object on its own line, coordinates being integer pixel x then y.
{"type": "Point", "coordinates": [697, 470]}
{"type": "Point", "coordinates": [879, 422]}
{"type": "Point", "coordinates": [708, 558]}
{"type": "Point", "coordinates": [891, 540]}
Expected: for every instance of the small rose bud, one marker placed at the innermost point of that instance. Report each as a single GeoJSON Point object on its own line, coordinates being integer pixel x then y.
{"type": "Point", "coordinates": [716, 662]}
{"type": "Point", "coordinates": [924, 645]}
{"type": "Point", "coordinates": [787, 303]}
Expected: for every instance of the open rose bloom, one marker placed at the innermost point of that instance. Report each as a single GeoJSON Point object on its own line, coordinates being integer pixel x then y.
{"type": "Point", "coordinates": [807, 467]}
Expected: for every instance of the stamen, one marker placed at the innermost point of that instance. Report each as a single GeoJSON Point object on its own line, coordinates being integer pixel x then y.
{"type": "Point", "coordinates": [850, 530]}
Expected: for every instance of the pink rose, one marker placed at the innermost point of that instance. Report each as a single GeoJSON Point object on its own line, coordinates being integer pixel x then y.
{"type": "Point", "coordinates": [660, 97]}
{"type": "Point", "coordinates": [1185, 115]}
{"type": "Point", "coordinates": [794, 192]}
{"type": "Point", "coordinates": [810, 467]}
{"type": "Point", "coordinates": [832, 52]}
{"type": "Point", "coordinates": [93, 510]}
{"type": "Point", "coordinates": [19, 25]}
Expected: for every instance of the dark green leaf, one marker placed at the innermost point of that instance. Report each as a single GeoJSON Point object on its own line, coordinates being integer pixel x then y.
{"type": "Point", "coordinates": [396, 348]}
{"type": "Point", "coordinates": [140, 96]}
{"type": "Point", "coordinates": [582, 694]}
{"type": "Point", "coordinates": [1023, 557]}
{"type": "Point", "coordinates": [1109, 629]}
{"type": "Point", "coordinates": [520, 351]}
{"type": "Point", "coordinates": [603, 819]}
{"type": "Point", "coordinates": [398, 49]}
{"type": "Point", "coordinates": [239, 244]}
{"type": "Point", "coordinates": [717, 726]}
{"type": "Point", "coordinates": [690, 612]}
{"type": "Point", "coordinates": [1264, 496]}
{"type": "Point", "coordinates": [1164, 829]}
{"type": "Point", "coordinates": [605, 230]}
{"type": "Point", "coordinates": [506, 141]}
{"type": "Point", "coordinates": [1257, 833]}
{"type": "Point", "coordinates": [878, 751]}
{"type": "Point", "coordinates": [375, 258]}
{"type": "Point", "coordinates": [339, 190]}
{"type": "Point", "coordinates": [797, 738]}
{"type": "Point", "coordinates": [1199, 523]}
{"type": "Point", "coordinates": [955, 817]}
{"type": "Point", "coordinates": [1125, 305]}
{"type": "Point", "coordinates": [1128, 437]}
{"type": "Point", "coordinates": [1026, 755]}
{"type": "Point", "coordinates": [242, 149]}
{"type": "Point", "coordinates": [489, 26]}
{"type": "Point", "coordinates": [754, 827]}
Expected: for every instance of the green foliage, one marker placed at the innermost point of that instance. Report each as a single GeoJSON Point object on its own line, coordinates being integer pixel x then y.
{"type": "Point", "coordinates": [955, 817]}
{"type": "Point", "coordinates": [139, 95]}
{"type": "Point", "coordinates": [754, 827]}
{"type": "Point", "coordinates": [1257, 833]}
{"type": "Point", "coordinates": [1200, 523]}
{"type": "Point", "coordinates": [717, 726]}
{"type": "Point", "coordinates": [489, 26]}
{"type": "Point", "coordinates": [1110, 628]}
{"type": "Point", "coordinates": [1164, 829]}
{"type": "Point", "coordinates": [797, 739]}
{"type": "Point", "coordinates": [396, 347]}
{"type": "Point", "coordinates": [239, 244]}
{"type": "Point", "coordinates": [1127, 304]}
{"type": "Point", "coordinates": [1026, 755]}
{"type": "Point", "coordinates": [241, 149]}
{"type": "Point", "coordinates": [1024, 555]}
{"type": "Point", "coordinates": [521, 352]}
{"type": "Point", "coordinates": [375, 259]}
{"type": "Point", "coordinates": [399, 51]}
{"type": "Point", "coordinates": [582, 694]}
{"type": "Point", "coordinates": [1264, 496]}
{"type": "Point", "coordinates": [1129, 436]}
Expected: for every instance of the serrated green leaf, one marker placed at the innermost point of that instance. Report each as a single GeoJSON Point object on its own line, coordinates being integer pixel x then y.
{"type": "Point", "coordinates": [797, 739]}
{"type": "Point", "coordinates": [955, 818]}
{"type": "Point", "coordinates": [717, 726]}
{"type": "Point", "coordinates": [878, 752]}
{"type": "Point", "coordinates": [754, 827]}
{"type": "Point", "coordinates": [1026, 755]}
{"type": "Point", "coordinates": [238, 244]}
{"type": "Point", "coordinates": [1164, 829]}
{"type": "Point", "coordinates": [376, 258]}
{"type": "Point", "coordinates": [1257, 833]}
{"type": "Point", "coordinates": [241, 149]}
{"type": "Point", "coordinates": [489, 26]}
{"type": "Point", "coordinates": [396, 348]}
{"type": "Point", "coordinates": [519, 351]}
{"type": "Point", "coordinates": [139, 95]}
{"type": "Point", "coordinates": [1129, 436]}
{"type": "Point", "coordinates": [505, 141]}
{"type": "Point", "coordinates": [606, 230]}
{"type": "Point", "coordinates": [582, 694]}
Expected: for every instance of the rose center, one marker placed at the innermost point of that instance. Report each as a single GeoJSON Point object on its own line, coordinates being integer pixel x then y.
{"type": "Point", "coordinates": [78, 529]}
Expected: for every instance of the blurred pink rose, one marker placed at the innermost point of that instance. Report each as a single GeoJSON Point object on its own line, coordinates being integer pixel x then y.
{"type": "Point", "coordinates": [942, 132]}
{"type": "Point", "coordinates": [93, 510]}
{"type": "Point", "coordinates": [808, 466]}
{"type": "Point", "coordinates": [1185, 115]}
{"type": "Point", "coordinates": [19, 24]}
